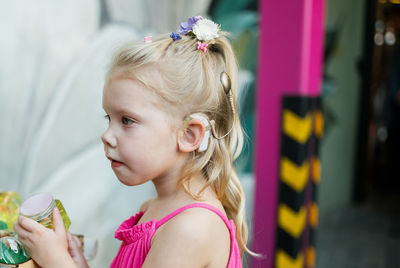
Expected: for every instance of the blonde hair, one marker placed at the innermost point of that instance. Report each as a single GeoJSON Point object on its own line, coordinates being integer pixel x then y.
{"type": "Point", "coordinates": [189, 81]}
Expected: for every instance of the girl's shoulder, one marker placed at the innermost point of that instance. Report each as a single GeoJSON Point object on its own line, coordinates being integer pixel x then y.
{"type": "Point", "coordinates": [199, 219]}
{"type": "Point", "coordinates": [196, 234]}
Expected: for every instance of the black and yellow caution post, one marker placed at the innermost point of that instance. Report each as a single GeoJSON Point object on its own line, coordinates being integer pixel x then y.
{"type": "Point", "coordinates": [299, 175]}
{"type": "Point", "coordinates": [318, 128]}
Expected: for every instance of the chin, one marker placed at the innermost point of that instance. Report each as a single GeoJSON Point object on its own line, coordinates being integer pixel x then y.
{"type": "Point", "coordinates": [130, 181]}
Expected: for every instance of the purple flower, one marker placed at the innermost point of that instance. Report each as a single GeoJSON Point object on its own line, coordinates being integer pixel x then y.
{"type": "Point", "coordinates": [185, 27]}
{"type": "Point", "coordinates": [175, 36]}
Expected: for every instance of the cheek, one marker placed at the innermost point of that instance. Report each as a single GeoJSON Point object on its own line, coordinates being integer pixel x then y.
{"type": "Point", "coordinates": [139, 151]}
{"type": "Point", "coordinates": [159, 152]}
{"type": "Point", "coordinates": [161, 139]}
{"type": "Point", "coordinates": [167, 144]}
{"type": "Point", "coordinates": [149, 148]}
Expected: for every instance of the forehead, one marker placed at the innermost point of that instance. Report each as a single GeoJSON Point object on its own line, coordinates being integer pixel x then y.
{"type": "Point", "coordinates": [125, 92]}
{"type": "Point", "coordinates": [132, 98]}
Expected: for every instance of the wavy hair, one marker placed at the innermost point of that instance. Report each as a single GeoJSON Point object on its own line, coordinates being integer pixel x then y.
{"type": "Point", "coordinates": [189, 81]}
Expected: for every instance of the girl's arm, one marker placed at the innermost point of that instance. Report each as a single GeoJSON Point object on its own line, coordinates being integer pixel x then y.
{"type": "Point", "coordinates": [49, 248]}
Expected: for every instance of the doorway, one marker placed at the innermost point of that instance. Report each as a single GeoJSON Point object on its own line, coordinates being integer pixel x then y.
{"type": "Point", "coordinates": [378, 157]}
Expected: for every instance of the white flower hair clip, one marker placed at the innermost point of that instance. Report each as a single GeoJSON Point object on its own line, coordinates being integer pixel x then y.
{"type": "Point", "coordinates": [203, 29]}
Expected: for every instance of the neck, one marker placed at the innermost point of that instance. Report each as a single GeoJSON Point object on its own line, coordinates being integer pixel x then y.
{"type": "Point", "coordinates": [167, 186]}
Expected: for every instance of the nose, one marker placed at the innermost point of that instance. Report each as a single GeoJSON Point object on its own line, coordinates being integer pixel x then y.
{"type": "Point", "coordinates": [108, 138]}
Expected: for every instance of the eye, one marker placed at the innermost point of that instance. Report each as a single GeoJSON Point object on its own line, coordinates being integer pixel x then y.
{"type": "Point", "coordinates": [127, 121]}
{"type": "Point", "coordinates": [107, 117]}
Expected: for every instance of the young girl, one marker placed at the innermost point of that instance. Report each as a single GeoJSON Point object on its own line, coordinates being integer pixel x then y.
{"type": "Point", "coordinates": [173, 120]}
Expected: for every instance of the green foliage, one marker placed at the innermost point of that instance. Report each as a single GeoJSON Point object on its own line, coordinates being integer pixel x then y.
{"type": "Point", "coordinates": [224, 7]}
{"type": "Point", "coordinates": [240, 18]}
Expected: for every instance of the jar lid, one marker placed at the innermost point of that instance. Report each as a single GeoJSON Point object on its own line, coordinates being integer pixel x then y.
{"type": "Point", "coordinates": [36, 204]}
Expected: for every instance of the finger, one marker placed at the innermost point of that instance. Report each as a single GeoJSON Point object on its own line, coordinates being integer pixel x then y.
{"type": "Point", "coordinates": [71, 241]}
{"type": "Point", "coordinates": [58, 222]}
{"type": "Point", "coordinates": [29, 224]}
{"type": "Point", "coordinates": [71, 245]}
{"type": "Point", "coordinates": [77, 241]}
{"type": "Point", "coordinates": [69, 236]}
{"type": "Point", "coordinates": [74, 248]}
{"type": "Point", "coordinates": [23, 236]}
{"type": "Point", "coordinates": [21, 232]}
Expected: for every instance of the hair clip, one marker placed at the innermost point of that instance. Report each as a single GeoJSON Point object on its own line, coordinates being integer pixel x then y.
{"type": "Point", "coordinates": [202, 46]}
{"type": "Point", "coordinates": [175, 36]}
{"type": "Point", "coordinates": [186, 27]}
{"type": "Point", "coordinates": [148, 39]}
{"type": "Point", "coordinates": [202, 29]}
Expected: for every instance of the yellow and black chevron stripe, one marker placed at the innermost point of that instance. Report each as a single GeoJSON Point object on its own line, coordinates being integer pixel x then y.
{"type": "Point", "coordinates": [297, 168]}
{"type": "Point", "coordinates": [318, 126]}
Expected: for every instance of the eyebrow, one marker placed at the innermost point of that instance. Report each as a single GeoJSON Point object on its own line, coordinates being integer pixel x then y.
{"type": "Point", "coordinates": [121, 110]}
{"type": "Point", "coordinates": [128, 112]}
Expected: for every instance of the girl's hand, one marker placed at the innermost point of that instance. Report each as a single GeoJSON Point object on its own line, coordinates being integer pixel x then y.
{"type": "Point", "coordinates": [49, 248]}
{"type": "Point", "coordinates": [75, 250]}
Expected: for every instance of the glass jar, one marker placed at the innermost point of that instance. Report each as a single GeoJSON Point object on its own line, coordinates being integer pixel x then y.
{"type": "Point", "coordinates": [40, 207]}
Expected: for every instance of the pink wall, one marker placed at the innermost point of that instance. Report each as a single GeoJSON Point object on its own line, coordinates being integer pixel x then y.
{"type": "Point", "coordinates": [290, 62]}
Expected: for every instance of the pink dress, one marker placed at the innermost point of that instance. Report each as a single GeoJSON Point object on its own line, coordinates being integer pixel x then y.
{"type": "Point", "coordinates": [136, 238]}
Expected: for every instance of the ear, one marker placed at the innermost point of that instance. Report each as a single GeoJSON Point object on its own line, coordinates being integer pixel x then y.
{"type": "Point", "coordinates": [191, 136]}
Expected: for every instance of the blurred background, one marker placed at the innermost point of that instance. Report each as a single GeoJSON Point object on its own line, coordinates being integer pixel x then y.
{"type": "Point", "coordinates": [53, 57]}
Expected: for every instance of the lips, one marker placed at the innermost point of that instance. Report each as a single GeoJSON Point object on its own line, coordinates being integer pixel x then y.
{"type": "Point", "coordinates": [114, 163]}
